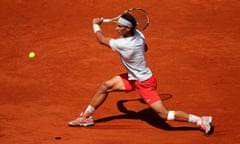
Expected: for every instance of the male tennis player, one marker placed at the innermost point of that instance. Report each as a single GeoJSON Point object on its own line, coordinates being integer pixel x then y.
{"type": "Point", "coordinates": [131, 47]}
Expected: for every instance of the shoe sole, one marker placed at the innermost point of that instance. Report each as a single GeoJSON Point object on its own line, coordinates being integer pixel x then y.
{"type": "Point", "coordinates": [86, 124]}
{"type": "Point", "coordinates": [81, 125]}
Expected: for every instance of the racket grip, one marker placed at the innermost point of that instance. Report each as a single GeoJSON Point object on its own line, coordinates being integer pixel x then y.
{"type": "Point", "coordinates": [107, 20]}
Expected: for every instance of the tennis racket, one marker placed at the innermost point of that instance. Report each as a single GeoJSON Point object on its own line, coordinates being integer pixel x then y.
{"type": "Point", "coordinates": [139, 14]}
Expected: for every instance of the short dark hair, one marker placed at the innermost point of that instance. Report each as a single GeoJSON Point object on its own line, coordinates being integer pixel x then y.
{"type": "Point", "coordinates": [130, 18]}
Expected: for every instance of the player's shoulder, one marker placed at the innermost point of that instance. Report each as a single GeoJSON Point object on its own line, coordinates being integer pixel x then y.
{"type": "Point", "coordinates": [138, 33]}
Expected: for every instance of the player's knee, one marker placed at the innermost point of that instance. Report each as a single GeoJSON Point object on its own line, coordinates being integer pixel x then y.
{"type": "Point", "coordinates": [163, 115]}
{"type": "Point", "coordinates": [105, 85]}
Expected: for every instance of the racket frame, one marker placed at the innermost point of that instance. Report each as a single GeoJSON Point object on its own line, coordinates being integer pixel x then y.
{"type": "Point", "coordinates": [115, 19]}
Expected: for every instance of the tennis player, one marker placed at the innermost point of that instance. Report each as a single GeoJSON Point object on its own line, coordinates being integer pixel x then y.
{"type": "Point", "coordinates": [131, 48]}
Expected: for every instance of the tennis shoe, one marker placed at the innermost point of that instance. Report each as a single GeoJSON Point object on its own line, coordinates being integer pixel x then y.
{"type": "Point", "coordinates": [206, 124]}
{"type": "Point", "coordinates": [81, 121]}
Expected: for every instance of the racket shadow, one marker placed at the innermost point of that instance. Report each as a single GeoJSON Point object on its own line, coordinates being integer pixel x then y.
{"type": "Point", "coordinates": [147, 115]}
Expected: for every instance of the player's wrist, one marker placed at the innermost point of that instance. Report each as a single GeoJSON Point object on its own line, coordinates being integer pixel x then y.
{"type": "Point", "coordinates": [96, 28]}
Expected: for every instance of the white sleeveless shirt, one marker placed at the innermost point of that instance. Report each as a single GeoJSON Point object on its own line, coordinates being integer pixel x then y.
{"type": "Point", "coordinates": [132, 54]}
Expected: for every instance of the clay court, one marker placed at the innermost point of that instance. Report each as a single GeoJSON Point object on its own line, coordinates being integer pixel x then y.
{"type": "Point", "coordinates": [194, 52]}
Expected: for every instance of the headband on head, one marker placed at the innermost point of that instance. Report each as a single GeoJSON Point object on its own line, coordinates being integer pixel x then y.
{"type": "Point", "coordinates": [124, 22]}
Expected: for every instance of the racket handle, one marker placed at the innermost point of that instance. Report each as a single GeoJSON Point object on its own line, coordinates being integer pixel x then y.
{"type": "Point", "coordinates": [107, 20]}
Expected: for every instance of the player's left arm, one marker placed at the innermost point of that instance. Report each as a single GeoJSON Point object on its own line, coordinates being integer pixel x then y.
{"type": "Point", "coordinates": [102, 39]}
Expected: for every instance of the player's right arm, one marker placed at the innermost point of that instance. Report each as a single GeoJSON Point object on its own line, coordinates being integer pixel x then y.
{"type": "Point", "coordinates": [102, 39]}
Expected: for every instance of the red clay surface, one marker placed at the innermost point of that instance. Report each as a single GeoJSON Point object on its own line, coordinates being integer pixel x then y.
{"type": "Point", "coordinates": [193, 51]}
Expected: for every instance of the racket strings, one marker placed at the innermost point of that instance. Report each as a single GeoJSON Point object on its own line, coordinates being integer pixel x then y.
{"type": "Point", "coordinates": [141, 18]}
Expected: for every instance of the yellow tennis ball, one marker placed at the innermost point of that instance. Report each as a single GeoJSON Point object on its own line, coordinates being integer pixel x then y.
{"type": "Point", "coordinates": [31, 55]}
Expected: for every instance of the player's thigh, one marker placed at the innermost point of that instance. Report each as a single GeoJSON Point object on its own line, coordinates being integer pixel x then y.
{"type": "Point", "coordinates": [116, 84]}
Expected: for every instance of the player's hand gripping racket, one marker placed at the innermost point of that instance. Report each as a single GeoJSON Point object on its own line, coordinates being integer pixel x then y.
{"type": "Point", "coordinates": [139, 14]}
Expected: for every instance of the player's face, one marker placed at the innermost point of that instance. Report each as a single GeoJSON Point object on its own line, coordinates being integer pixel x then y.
{"type": "Point", "coordinates": [123, 30]}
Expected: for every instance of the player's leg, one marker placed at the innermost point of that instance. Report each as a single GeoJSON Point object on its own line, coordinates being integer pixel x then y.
{"type": "Point", "coordinates": [147, 90]}
{"type": "Point", "coordinates": [114, 84]}
{"type": "Point", "coordinates": [85, 118]}
{"type": "Point", "coordinates": [203, 122]}
{"type": "Point", "coordinates": [164, 113]}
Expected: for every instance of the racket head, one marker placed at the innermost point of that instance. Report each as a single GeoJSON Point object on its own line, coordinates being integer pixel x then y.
{"type": "Point", "coordinates": [141, 16]}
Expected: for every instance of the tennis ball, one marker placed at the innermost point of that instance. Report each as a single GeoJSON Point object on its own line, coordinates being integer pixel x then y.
{"type": "Point", "coordinates": [31, 55]}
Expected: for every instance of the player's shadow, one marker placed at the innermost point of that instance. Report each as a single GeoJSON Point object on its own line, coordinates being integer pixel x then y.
{"type": "Point", "coordinates": [147, 115]}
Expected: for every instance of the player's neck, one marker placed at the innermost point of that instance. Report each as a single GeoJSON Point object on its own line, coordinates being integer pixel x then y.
{"type": "Point", "coordinates": [128, 35]}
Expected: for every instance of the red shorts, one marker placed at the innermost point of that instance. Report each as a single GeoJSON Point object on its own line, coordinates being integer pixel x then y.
{"type": "Point", "coordinates": [146, 89]}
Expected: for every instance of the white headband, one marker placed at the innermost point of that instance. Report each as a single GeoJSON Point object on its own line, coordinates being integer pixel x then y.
{"type": "Point", "coordinates": [124, 22]}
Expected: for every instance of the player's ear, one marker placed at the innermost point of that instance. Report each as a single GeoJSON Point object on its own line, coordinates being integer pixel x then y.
{"type": "Point", "coordinates": [129, 28]}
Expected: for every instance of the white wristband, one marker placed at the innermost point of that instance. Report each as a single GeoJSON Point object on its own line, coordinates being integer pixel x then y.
{"type": "Point", "coordinates": [96, 28]}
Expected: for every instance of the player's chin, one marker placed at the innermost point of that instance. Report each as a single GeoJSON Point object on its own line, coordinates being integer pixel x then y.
{"type": "Point", "coordinates": [119, 33]}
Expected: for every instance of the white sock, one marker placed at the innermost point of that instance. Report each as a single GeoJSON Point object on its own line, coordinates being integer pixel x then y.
{"type": "Point", "coordinates": [194, 119]}
{"type": "Point", "coordinates": [90, 109]}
